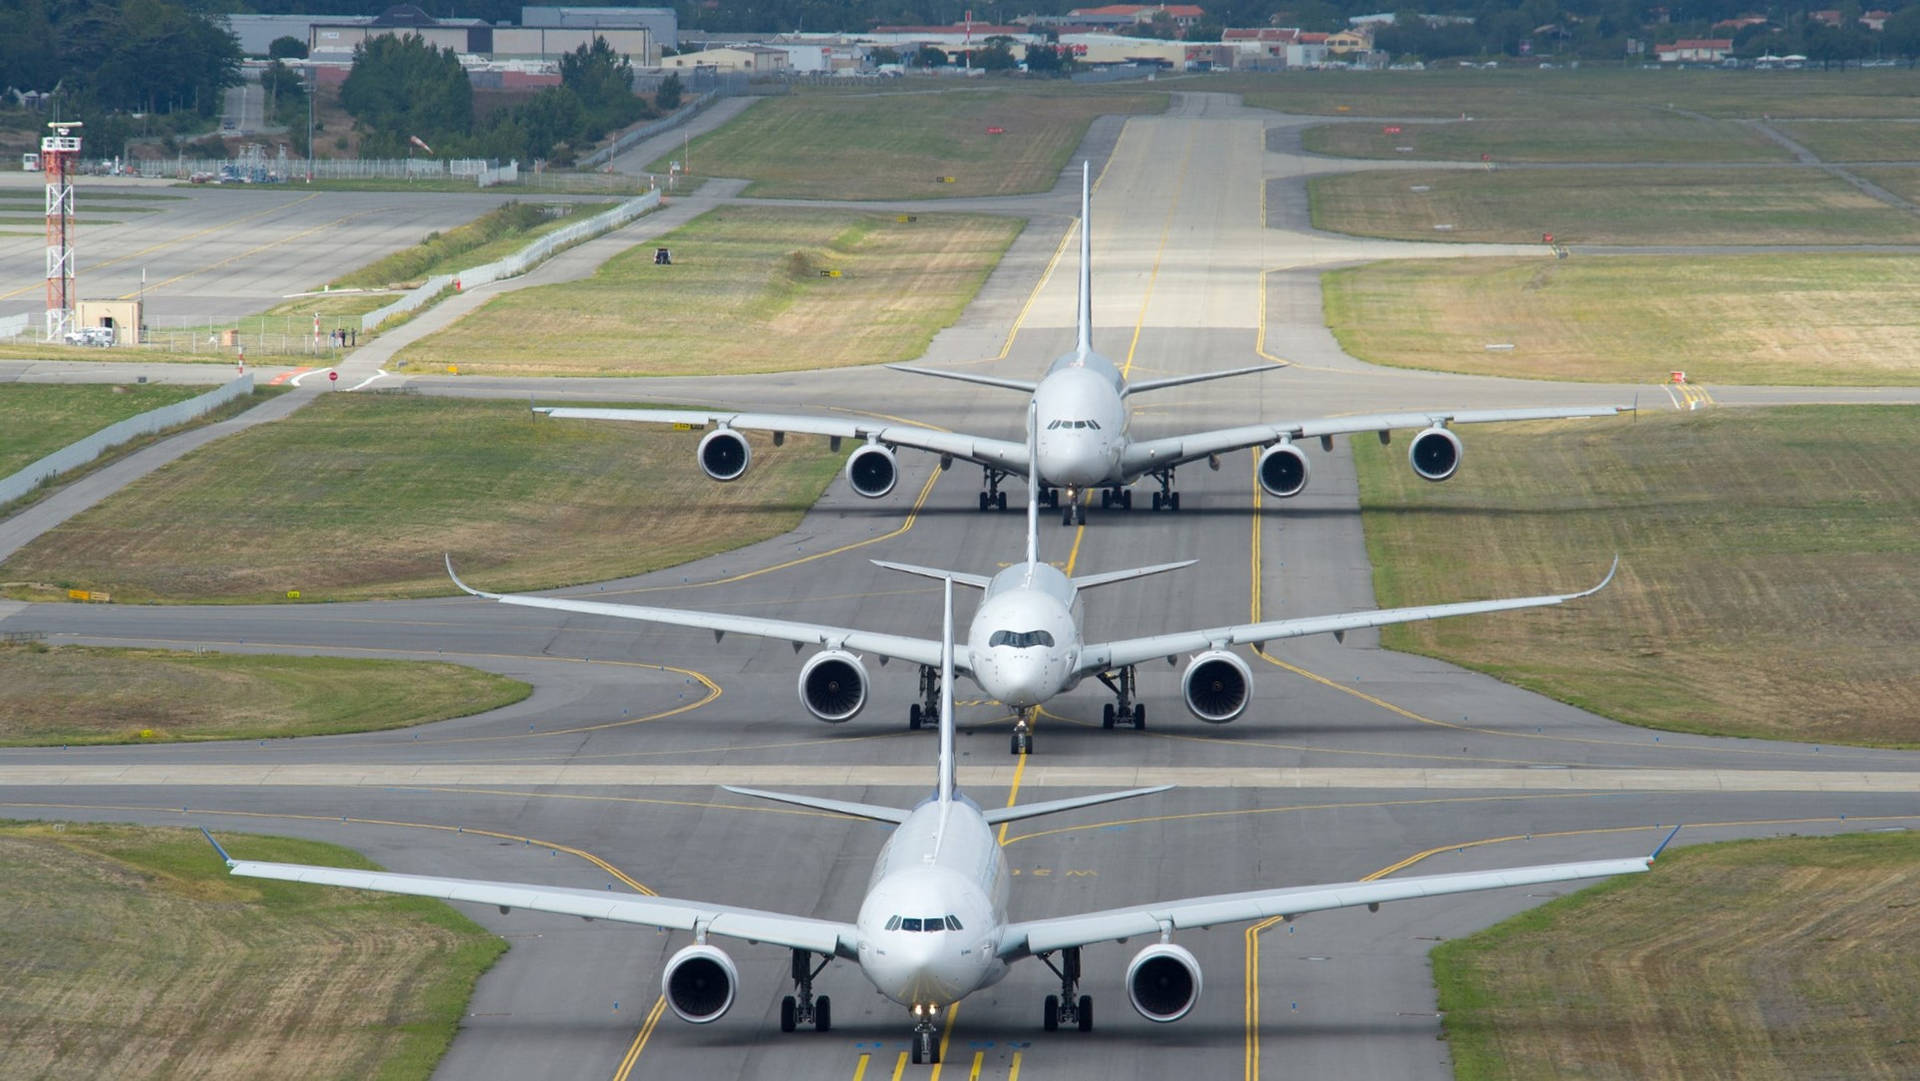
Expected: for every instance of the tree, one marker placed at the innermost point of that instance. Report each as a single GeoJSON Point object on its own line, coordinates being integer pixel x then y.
{"type": "Point", "coordinates": [1044, 60]}
{"type": "Point", "coordinates": [667, 98]}
{"type": "Point", "coordinates": [1901, 35]}
{"type": "Point", "coordinates": [930, 57]}
{"type": "Point", "coordinates": [603, 81]}
{"type": "Point", "coordinates": [287, 48]}
{"type": "Point", "coordinates": [996, 54]}
{"type": "Point", "coordinates": [1206, 30]}
{"type": "Point", "coordinates": [401, 86]}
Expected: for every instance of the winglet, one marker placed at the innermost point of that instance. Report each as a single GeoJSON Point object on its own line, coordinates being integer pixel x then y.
{"type": "Point", "coordinates": [464, 587]}
{"type": "Point", "coordinates": [1086, 258]}
{"type": "Point", "coordinates": [1664, 842]}
{"type": "Point", "coordinates": [216, 846]}
{"type": "Point", "coordinates": [1611, 571]}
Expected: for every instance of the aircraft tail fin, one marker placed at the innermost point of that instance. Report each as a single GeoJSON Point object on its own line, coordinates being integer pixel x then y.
{"type": "Point", "coordinates": [1085, 342]}
{"type": "Point", "coordinates": [947, 756]}
{"type": "Point", "coordinates": [1033, 484]}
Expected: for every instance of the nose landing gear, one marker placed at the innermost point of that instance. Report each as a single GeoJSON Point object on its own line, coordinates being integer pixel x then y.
{"type": "Point", "coordinates": [1075, 514]}
{"type": "Point", "coordinates": [1064, 1008]}
{"type": "Point", "coordinates": [1022, 733]}
{"type": "Point", "coordinates": [804, 1009]}
{"type": "Point", "coordinates": [926, 1038]}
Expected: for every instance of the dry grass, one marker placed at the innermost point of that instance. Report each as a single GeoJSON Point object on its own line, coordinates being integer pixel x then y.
{"type": "Point", "coordinates": [83, 694]}
{"type": "Point", "coordinates": [746, 293]}
{"type": "Point", "coordinates": [1756, 960]}
{"type": "Point", "coordinates": [1766, 581]}
{"type": "Point", "coordinates": [131, 954]}
{"type": "Point", "coordinates": [357, 495]}
{"type": "Point", "coordinates": [896, 144]}
{"type": "Point", "coordinates": [1858, 140]}
{"type": "Point", "coordinates": [38, 419]}
{"type": "Point", "coordinates": [1842, 318]}
{"type": "Point", "coordinates": [1671, 206]}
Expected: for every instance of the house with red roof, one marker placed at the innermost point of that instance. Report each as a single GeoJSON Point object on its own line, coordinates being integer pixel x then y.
{"type": "Point", "coordinates": [1695, 51]}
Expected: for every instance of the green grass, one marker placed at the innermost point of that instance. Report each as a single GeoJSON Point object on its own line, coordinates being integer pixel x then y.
{"type": "Point", "coordinates": [496, 233]}
{"type": "Point", "coordinates": [131, 953]}
{"type": "Point", "coordinates": [1634, 136]}
{"type": "Point", "coordinates": [84, 694]}
{"type": "Point", "coordinates": [1766, 584]}
{"type": "Point", "coordinates": [357, 495]}
{"type": "Point", "coordinates": [1826, 319]}
{"type": "Point", "coordinates": [1902, 182]}
{"type": "Point", "coordinates": [1671, 206]}
{"type": "Point", "coordinates": [746, 293]}
{"type": "Point", "coordinates": [37, 419]}
{"type": "Point", "coordinates": [1762, 960]}
{"type": "Point", "coordinates": [897, 145]}
{"type": "Point", "coordinates": [1858, 140]}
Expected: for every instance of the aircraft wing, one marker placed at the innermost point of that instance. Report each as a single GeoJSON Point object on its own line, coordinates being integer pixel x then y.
{"type": "Point", "coordinates": [998, 453]}
{"type": "Point", "coordinates": [1149, 454]}
{"type": "Point", "coordinates": [794, 932]}
{"type": "Point", "coordinates": [1044, 936]}
{"type": "Point", "coordinates": [917, 650]}
{"type": "Point", "coordinates": [1099, 657]}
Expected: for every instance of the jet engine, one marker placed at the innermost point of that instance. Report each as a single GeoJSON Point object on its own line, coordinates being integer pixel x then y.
{"type": "Point", "coordinates": [1217, 686]}
{"type": "Point", "coordinates": [1282, 470]}
{"type": "Point", "coordinates": [871, 471]}
{"type": "Point", "coordinates": [699, 983]}
{"type": "Point", "coordinates": [1163, 982]}
{"type": "Point", "coordinates": [833, 685]}
{"type": "Point", "coordinates": [1434, 454]}
{"type": "Point", "coordinates": [724, 454]}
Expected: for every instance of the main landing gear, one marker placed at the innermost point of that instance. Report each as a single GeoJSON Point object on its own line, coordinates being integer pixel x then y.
{"type": "Point", "coordinates": [926, 712]}
{"type": "Point", "coordinates": [1064, 1009]}
{"type": "Point", "coordinates": [926, 1038]}
{"type": "Point", "coordinates": [1125, 710]}
{"type": "Point", "coordinates": [993, 498]}
{"type": "Point", "coordinates": [1116, 497]}
{"type": "Point", "coordinates": [805, 1009]}
{"type": "Point", "coordinates": [1166, 496]}
{"type": "Point", "coordinates": [1022, 732]}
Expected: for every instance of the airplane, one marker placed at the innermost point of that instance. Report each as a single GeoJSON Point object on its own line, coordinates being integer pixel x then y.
{"type": "Point", "coordinates": [933, 926]}
{"type": "Point", "coordinates": [1025, 644]}
{"type": "Point", "coordinates": [1085, 440]}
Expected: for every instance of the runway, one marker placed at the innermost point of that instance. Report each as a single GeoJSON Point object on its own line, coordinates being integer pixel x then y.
{"type": "Point", "coordinates": [1351, 761]}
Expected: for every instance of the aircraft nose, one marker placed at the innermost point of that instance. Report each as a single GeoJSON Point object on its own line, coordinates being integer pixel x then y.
{"type": "Point", "coordinates": [1071, 460]}
{"type": "Point", "coordinates": [1018, 679]}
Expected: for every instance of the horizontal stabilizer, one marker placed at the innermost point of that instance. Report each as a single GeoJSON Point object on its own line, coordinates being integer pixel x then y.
{"type": "Point", "coordinates": [1034, 810]}
{"type": "Point", "coordinates": [858, 810]}
{"type": "Point", "coordinates": [1107, 578]}
{"type": "Point", "coordinates": [977, 581]}
{"type": "Point", "coordinates": [1146, 385]}
{"type": "Point", "coordinates": [1024, 385]}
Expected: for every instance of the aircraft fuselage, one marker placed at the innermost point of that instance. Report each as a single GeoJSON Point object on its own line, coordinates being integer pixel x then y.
{"type": "Point", "coordinates": [936, 905]}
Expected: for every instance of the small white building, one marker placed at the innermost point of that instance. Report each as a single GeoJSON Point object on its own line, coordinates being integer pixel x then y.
{"type": "Point", "coordinates": [747, 59]}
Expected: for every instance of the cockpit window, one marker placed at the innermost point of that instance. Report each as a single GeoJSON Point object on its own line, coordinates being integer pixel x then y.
{"type": "Point", "coordinates": [911, 923]}
{"type": "Point", "coordinates": [953, 923]}
{"type": "Point", "coordinates": [893, 923]}
{"type": "Point", "coordinates": [1020, 639]}
{"type": "Point", "coordinates": [934, 923]}
{"type": "Point", "coordinates": [923, 923]}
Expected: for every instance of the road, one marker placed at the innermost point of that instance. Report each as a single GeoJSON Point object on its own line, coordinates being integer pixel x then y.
{"type": "Point", "coordinates": [1352, 759]}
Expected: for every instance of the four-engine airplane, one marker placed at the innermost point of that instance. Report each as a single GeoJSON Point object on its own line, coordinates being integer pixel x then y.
{"type": "Point", "coordinates": [1025, 643]}
{"type": "Point", "coordinates": [1085, 441]}
{"type": "Point", "coordinates": [933, 926]}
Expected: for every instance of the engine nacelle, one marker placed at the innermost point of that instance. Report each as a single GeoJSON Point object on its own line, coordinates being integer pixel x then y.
{"type": "Point", "coordinates": [724, 454]}
{"type": "Point", "coordinates": [1282, 470]}
{"type": "Point", "coordinates": [833, 685]}
{"type": "Point", "coordinates": [1163, 982]}
{"type": "Point", "coordinates": [1217, 686]}
{"type": "Point", "coordinates": [871, 471]}
{"type": "Point", "coordinates": [699, 982]}
{"type": "Point", "coordinates": [1435, 454]}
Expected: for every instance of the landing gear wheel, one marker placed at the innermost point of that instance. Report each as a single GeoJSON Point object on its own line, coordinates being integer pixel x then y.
{"type": "Point", "coordinates": [1050, 1014]}
{"type": "Point", "coordinates": [985, 500]}
{"type": "Point", "coordinates": [925, 1048]}
{"type": "Point", "coordinates": [1053, 499]}
{"type": "Point", "coordinates": [1173, 502]}
{"type": "Point", "coordinates": [1022, 743]}
{"type": "Point", "coordinates": [914, 717]}
{"type": "Point", "coordinates": [822, 1014]}
{"type": "Point", "coordinates": [1106, 498]}
{"type": "Point", "coordinates": [1062, 1008]}
{"type": "Point", "coordinates": [803, 1008]}
{"type": "Point", "coordinates": [1126, 499]}
{"type": "Point", "coordinates": [1086, 1013]}
{"type": "Point", "coordinates": [1157, 500]}
{"type": "Point", "coordinates": [1000, 501]}
{"type": "Point", "coordinates": [787, 1014]}
{"type": "Point", "coordinates": [1066, 516]}
{"type": "Point", "coordinates": [1106, 715]}
{"type": "Point", "coordinates": [1140, 718]}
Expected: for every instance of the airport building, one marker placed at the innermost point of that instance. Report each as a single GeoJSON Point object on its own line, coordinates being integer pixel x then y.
{"type": "Point", "coordinates": [544, 33]}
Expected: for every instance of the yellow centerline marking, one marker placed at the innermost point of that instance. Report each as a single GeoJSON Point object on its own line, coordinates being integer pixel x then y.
{"type": "Point", "coordinates": [640, 1040]}
{"type": "Point", "coordinates": [859, 1067]}
{"type": "Point", "coordinates": [946, 1037]}
{"type": "Point", "coordinates": [1159, 254]}
{"type": "Point", "coordinates": [900, 1066]}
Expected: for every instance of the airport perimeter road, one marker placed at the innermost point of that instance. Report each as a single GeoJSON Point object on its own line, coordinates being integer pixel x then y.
{"type": "Point", "coordinates": [1351, 761]}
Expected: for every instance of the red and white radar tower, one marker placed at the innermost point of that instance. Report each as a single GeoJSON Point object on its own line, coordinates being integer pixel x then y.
{"type": "Point", "coordinates": [59, 153]}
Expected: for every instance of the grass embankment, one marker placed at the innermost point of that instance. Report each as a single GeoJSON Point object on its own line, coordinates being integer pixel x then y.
{"type": "Point", "coordinates": [130, 953]}
{"type": "Point", "coordinates": [357, 496]}
{"type": "Point", "coordinates": [1766, 581]}
{"type": "Point", "coordinates": [37, 419]}
{"type": "Point", "coordinates": [84, 694]}
{"type": "Point", "coordinates": [498, 232]}
{"type": "Point", "coordinates": [747, 292]}
{"type": "Point", "coordinates": [1631, 135]}
{"type": "Point", "coordinates": [876, 144]}
{"type": "Point", "coordinates": [1672, 206]}
{"type": "Point", "coordinates": [1759, 960]}
{"type": "Point", "coordinates": [1844, 318]}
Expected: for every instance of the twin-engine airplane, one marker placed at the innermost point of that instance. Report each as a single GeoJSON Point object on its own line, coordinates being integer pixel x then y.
{"type": "Point", "coordinates": [1025, 644]}
{"type": "Point", "coordinates": [933, 927]}
{"type": "Point", "coordinates": [1084, 441]}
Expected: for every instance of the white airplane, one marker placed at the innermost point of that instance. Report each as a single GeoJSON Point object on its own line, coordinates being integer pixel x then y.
{"type": "Point", "coordinates": [933, 926]}
{"type": "Point", "coordinates": [1025, 643]}
{"type": "Point", "coordinates": [1084, 440]}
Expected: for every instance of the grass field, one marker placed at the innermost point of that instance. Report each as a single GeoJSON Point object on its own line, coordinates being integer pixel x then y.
{"type": "Point", "coordinates": [1844, 318]}
{"type": "Point", "coordinates": [1766, 582]}
{"type": "Point", "coordinates": [357, 496]}
{"type": "Point", "coordinates": [897, 144]}
{"type": "Point", "coordinates": [37, 419]}
{"type": "Point", "coordinates": [497, 233]}
{"type": "Point", "coordinates": [1760, 960]}
{"type": "Point", "coordinates": [1514, 93]}
{"type": "Point", "coordinates": [1857, 140]}
{"type": "Point", "coordinates": [1670, 206]}
{"type": "Point", "coordinates": [746, 293]}
{"type": "Point", "coordinates": [1634, 135]}
{"type": "Point", "coordinates": [83, 694]}
{"type": "Point", "coordinates": [1902, 182]}
{"type": "Point", "coordinates": [131, 954]}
